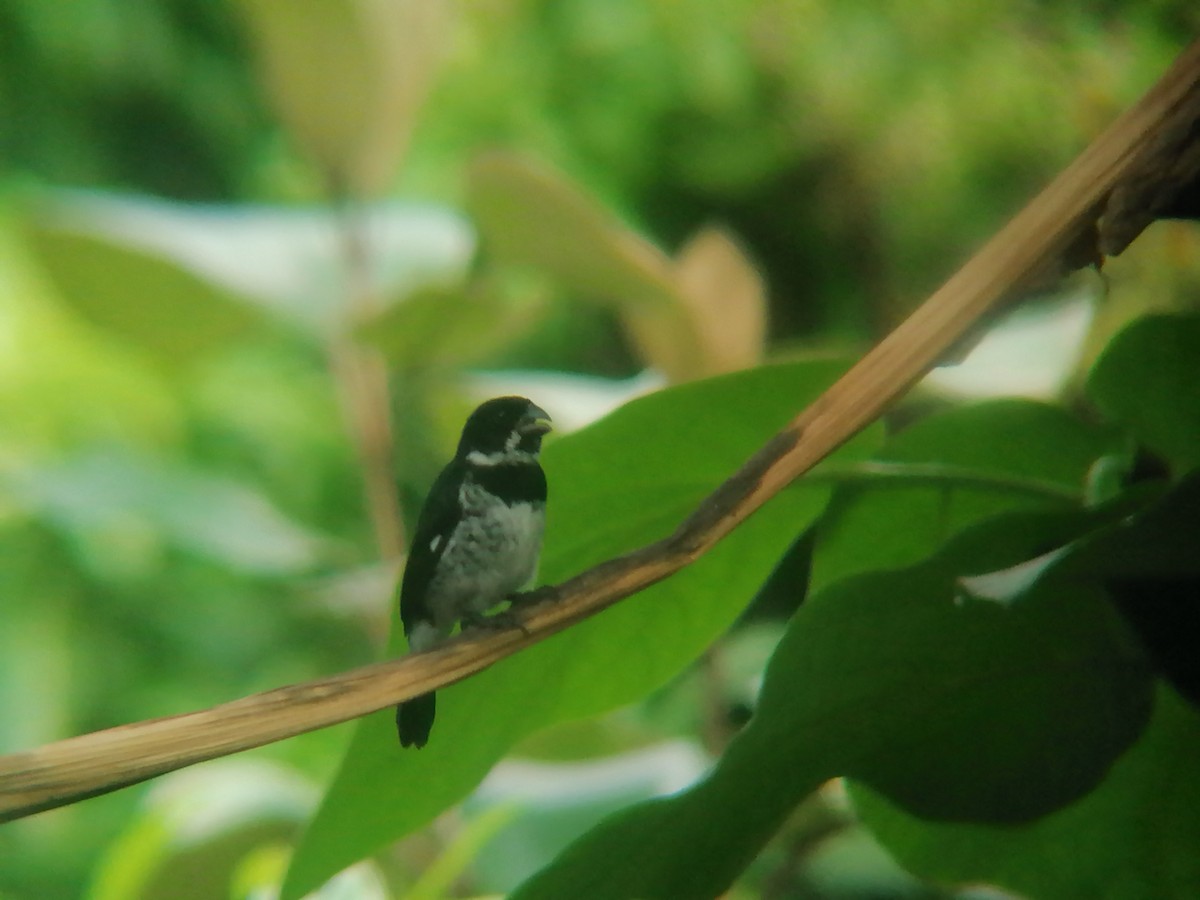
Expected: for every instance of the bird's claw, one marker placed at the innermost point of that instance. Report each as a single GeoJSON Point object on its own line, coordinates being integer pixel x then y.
{"type": "Point", "coordinates": [528, 598]}
{"type": "Point", "coordinates": [496, 622]}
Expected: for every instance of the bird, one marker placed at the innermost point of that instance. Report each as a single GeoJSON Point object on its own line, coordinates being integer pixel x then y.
{"type": "Point", "coordinates": [478, 537]}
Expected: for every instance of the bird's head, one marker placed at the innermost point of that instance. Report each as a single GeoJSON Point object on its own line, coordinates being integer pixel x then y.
{"type": "Point", "coordinates": [503, 429]}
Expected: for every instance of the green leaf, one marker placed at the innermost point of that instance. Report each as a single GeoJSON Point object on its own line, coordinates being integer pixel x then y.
{"type": "Point", "coordinates": [871, 528]}
{"type": "Point", "coordinates": [1134, 836]}
{"type": "Point", "coordinates": [147, 299]}
{"type": "Point", "coordinates": [960, 705]}
{"type": "Point", "coordinates": [1003, 711]}
{"type": "Point", "coordinates": [1151, 568]}
{"type": "Point", "coordinates": [1161, 540]}
{"type": "Point", "coordinates": [616, 485]}
{"type": "Point", "coordinates": [449, 326]}
{"type": "Point", "coordinates": [1149, 380]}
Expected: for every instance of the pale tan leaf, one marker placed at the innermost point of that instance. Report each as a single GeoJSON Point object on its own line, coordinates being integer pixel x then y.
{"type": "Point", "coordinates": [725, 298]}
{"type": "Point", "coordinates": [348, 77]}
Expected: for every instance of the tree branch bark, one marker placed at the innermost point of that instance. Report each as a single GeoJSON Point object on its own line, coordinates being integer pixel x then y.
{"type": "Point", "coordinates": [1062, 228]}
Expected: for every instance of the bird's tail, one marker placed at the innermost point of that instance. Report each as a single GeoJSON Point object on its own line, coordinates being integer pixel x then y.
{"type": "Point", "coordinates": [414, 719]}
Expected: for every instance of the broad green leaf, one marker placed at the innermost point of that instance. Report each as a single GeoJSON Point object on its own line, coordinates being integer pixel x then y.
{"type": "Point", "coordinates": [615, 485]}
{"type": "Point", "coordinates": [873, 527]}
{"type": "Point", "coordinates": [1148, 379]}
{"type": "Point", "coordinates": [1134, 836]}
{"type": "Point", "coordinates": [966, 707]}
{"type": "Point", "coordinates": [145, 298]}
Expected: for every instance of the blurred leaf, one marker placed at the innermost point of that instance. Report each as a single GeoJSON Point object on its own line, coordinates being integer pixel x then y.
{"type": "Point", "coordinates": [449, 326]}
{"type": "Point", "coordinates": [725, 298]}
{"type": "Point", "coordinates": [195, 828]}
{"type": "Point", "coordinates": [37, 640]}
{"type": "Point", "coordinates": [287, 261]}
{"type": "Point", "coordinates": [135, 500]}
{"type": "Point", "coordinates": [628, 479]}
{"type": "Point", "coordinates": [869, 529]}
{"type": "Point", "coordinates": [532, 216]}
{"type": "Point", "coordinates": [1149, 380]}
{"type": "Point", "coordinates": [437, 881]}
{"type": "Point", "coordinates": [965, 707]}
{"type": "Point", "coordinates": [348, 78]}
{"type": "Point", "coordinates": [550, 804]}
{"type": "Point", "coordinates": [147, 299]}
{"type": "Point", "coordinates": [1134, 836]}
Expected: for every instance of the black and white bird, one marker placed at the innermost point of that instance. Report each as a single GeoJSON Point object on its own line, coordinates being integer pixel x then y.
{"type": "Point", "coordinates": [478, 536]}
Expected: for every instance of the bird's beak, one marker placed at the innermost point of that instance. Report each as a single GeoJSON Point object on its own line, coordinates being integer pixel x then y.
{"type": "Point", "coordinates": [535, 421]}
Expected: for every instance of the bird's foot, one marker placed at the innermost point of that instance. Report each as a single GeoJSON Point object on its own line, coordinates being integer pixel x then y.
{"type": "Point", "coordinates": [496, 622]}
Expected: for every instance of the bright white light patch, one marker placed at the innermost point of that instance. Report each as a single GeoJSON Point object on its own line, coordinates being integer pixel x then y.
{"type": "Point", "coordinates": [1031, 353]}
{"type": "Point", "coordinates": [1007, 585]}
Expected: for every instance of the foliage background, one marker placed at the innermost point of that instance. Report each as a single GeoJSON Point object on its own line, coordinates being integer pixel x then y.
{"type": "Point", "coordinates": [183, 516]}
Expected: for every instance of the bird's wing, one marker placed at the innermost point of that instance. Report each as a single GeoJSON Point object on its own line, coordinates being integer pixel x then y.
{"type": "Point", "coordinates": [441, 513]}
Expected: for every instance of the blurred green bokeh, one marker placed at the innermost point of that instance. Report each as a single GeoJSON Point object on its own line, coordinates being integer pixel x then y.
{"type": "Point", "coordinates": [204, 226]}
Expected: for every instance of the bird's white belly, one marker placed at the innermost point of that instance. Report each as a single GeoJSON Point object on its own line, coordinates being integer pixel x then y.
{"type": "Point", "coordinates": [493, 553]}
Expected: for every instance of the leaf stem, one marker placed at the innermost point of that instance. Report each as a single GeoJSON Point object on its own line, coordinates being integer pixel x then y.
{"type": "Point", "coordinates": [361, 378]}
{"type": "Point", "coordinates": [885, 474]}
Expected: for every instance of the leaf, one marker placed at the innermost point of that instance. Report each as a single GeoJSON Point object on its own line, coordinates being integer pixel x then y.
{"type": "Point", "coordinates": [448, 326]}
{"type": "Point", "coordinates": [145, 298]}
{"type": "Point", "coordinates": [1015, 709]}
{"type": "Point", "coordinates": [194, 828]}
{"type": "Point", "coordinates": [1148, 379]}
{"type": "Point", "coordinates": [532, 216]}
{"type": "Point", "coordinates": [881, 528]}
{"type": "Point", "coordinates": [285, 262]}
{"type": "Point", "coordinates": [348, 78]}
{"type": "Point", "coordinates": [628, 479]}
{"type": "Point", "coordinates": [964, 707]}
{"type": "Point", "coordinates": [210, 515]}
{"type": "Point", "coordinates": [725, 297]}
{"type": "Point", "coordinates": [550, 804]}
{"type": "Point", "coordinates": [1134, 836]}
{"type": "Point", "coordinates": [700, 315]}
{"type": "Point", "coordinates": [1150, 565]}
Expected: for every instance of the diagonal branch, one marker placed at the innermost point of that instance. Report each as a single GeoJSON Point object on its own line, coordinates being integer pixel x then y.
{"type": "Point", "coordinates": [1061, 228]}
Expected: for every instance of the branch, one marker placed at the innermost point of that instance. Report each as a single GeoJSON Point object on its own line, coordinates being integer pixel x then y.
{"type": "Point", "coordinates": [1063, 226]}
